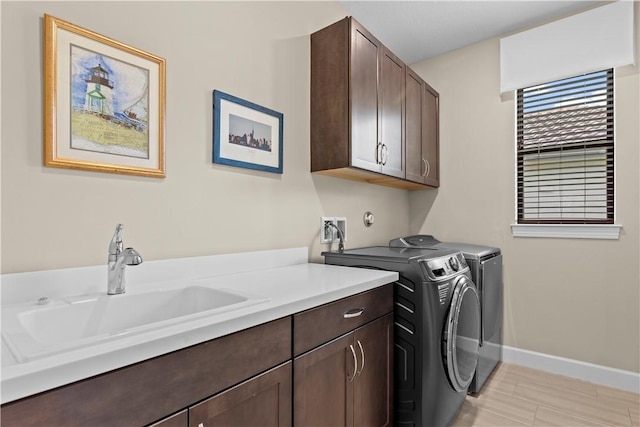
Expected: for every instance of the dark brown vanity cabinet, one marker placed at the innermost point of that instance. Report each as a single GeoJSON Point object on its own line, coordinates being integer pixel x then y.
{"type": "Point", "coordinates": [358, 109]}
{"type": "Point", "coordinates": [422, 132]}
{"type": "Point", "coordinates": [261, 401]}
{"type": "Point", "coordinates": [152, 390]}
{"type": "Point", "coordinates": [347, 379]}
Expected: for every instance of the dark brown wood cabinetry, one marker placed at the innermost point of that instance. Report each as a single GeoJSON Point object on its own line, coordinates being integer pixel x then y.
{"type": "Point", "coordinates": [358, 117]}
{"type": "Point", "coordinates": [181, 419]}
{"type": "Point", "coordinates": [373, 389]}
{"type": "Point", "coordinates": [261, 401]}
{"type": "Point", "coordinates": [319, 325]}
{"type": "Point", "coordinates": [361, 76]}
{"type": "Point", "coordinates": [421, 137]}
{"type": "Point", "coordinates": [322, 392]}
{"type": "Point", "coordinates": [392, 115]}
{"type": "Point", "coordinates": [348, 380]}
{"type": "Point", "coordinates": [431, 134]}
{"type": "Point", "coordinates": [148, 391]}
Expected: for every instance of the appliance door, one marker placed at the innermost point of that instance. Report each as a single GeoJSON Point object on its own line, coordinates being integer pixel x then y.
{"type": "Point", "coordinates": [462, 334]}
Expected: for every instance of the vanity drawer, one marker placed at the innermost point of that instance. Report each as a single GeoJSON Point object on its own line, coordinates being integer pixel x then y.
{"type": "Point", "coordinates": [318, 325]}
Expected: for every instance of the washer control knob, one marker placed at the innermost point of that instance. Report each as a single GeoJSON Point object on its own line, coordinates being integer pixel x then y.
{"type": "Point", "coordinates": [453, 263]}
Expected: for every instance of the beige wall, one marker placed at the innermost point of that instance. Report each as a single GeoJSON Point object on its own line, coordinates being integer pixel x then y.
{"type": "Point", "coordinates": [573, 298]}
{"type": "Point", "coordinates": [258, 51]}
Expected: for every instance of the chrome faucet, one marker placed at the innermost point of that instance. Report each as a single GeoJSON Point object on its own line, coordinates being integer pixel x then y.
{"type": "Point", "coordinates": [328, 224]}
{"type": "Point", "coordinates": [118, 259]}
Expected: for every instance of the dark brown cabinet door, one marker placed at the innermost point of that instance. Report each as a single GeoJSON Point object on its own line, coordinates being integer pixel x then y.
{"type": "Point", "coordinates": [377, 105]}
{"type": "Point", "coordinates": [421, 138]}
{"type": "Point", "coordinates": [263, 401]}
{"type": "Point", "coordinates": [363, 80]}
{"type": "Point", "coordinates": [348, 381]}
{"type": "Point", "coordinates": [431, 135]}
{"type": "Point", "coordinates": [373, 389]}
{"type": "Point", "coordinates": [322, 387]}
{"type": "Point", "coordinates": [391, 123]}
{"type": "Point", "coordinates": [416, 165]}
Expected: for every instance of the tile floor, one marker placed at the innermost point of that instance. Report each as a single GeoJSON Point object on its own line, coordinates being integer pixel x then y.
{"type": "Point", "coordinates": [519, 396]}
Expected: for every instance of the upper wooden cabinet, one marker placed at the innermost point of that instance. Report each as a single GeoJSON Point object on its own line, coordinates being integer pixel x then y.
{"type": "Point", "coordinates": [421, 131]}
{"type": "Point", "coordinates": [359, 115]}
{"type": "Point", "coordinates": [363, 85]}
{"type": "Point", "coordinates": [392, 116]}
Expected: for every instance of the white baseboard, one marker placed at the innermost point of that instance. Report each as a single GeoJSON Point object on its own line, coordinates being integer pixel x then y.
{"type": "Point", "coordinates": [603, 375]}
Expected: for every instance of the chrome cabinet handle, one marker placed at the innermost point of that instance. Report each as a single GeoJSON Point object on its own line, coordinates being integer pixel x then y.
{"type": "Point", "coordinates": [379, 153]}
{"type": "Point", "coordinates": [362, 353]}
{"type": "Point", "coordinates": [354, 312]}
{"type": "Point", "coordinates": [355, 364]}
{"type": "Point", "coordinates": [427, 167]}
{"type": "Point", "coordinates": [385, 154]}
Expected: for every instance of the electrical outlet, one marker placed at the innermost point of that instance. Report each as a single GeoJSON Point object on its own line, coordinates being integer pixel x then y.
{"type": "Point", "coordinates": [327, 233]}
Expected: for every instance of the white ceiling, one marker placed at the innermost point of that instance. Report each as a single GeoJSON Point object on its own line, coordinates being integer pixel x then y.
{"type": "Point", "coordinates": [417, 30]}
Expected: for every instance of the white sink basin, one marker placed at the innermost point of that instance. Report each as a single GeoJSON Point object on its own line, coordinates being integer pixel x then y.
{"type": "Point", "coordinates": [33, 331]}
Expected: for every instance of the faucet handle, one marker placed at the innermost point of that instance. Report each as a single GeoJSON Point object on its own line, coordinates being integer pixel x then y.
{"type": "Point", "coordinates": [116, 242]}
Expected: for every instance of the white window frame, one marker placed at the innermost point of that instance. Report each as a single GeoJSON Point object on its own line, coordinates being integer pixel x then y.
{"type": "Point", "coordinates": [567, 231]}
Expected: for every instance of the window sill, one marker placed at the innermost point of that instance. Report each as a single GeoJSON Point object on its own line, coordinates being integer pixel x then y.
{"type": "Point", "coordinates": [568, 231]}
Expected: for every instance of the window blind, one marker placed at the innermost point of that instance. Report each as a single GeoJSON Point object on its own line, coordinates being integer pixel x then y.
{"type": "Point", "coordinates": [565, 148]}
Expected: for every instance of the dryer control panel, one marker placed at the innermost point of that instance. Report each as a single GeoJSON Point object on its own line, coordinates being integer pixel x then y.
{"type": "Point", "coordinates": [445, 267]}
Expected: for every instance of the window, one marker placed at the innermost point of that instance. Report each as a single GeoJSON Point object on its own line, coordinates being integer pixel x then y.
{"type": "Point", "coordinates": [565, 151]}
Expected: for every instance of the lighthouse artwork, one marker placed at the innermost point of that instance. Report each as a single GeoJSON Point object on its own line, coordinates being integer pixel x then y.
{"type": "Point", "coordinates": [110, 101]}
{"type": "Point", "coordinates": [104, 103]}
{"type": "Point", "coordinates": [99, 89]}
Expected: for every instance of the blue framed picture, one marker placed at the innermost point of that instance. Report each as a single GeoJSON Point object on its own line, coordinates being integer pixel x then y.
{"type": "Point", "coordinates": [245, 134]}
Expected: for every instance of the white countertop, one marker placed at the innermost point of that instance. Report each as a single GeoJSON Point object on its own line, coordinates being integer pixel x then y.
{"type": "Point", "coordinates": [284, 277]}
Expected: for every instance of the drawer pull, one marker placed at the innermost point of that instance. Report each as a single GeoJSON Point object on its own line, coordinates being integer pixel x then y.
{"type": "Point", "coordinates": [354, 312]}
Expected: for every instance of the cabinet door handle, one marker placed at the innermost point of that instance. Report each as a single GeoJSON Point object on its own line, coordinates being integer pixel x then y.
{"type": "Point", "coordinates": [385, 154]}
{"type": "Point", "coordinates": [379, 153]}
{"type": "Point", "coordinates": [355, 364]}
{"type": "Point", "coordinates": [427, 167]}
{"type": "Point", "coordinates": [354, 312]}
{"type": "Point", "coordinates": [362, 353]}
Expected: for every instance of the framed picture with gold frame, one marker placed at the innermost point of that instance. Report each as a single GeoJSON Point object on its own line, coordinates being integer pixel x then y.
{"type": "Point", "coordinates": [104, 103]}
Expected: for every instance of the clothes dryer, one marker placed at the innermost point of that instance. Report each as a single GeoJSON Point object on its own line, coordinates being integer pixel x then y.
{"type": "Point", "coordinates": [485, 264]}
{"type": "Point", "coordinates": [436, 329]}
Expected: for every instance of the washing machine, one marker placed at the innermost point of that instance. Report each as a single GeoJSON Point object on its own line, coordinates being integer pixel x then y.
{"type": "Point", "coordinates": [436, 329]}
{"type": "Point", "coordinates": [485, 264]}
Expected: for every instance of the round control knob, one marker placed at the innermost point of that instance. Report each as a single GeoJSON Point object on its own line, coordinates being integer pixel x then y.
{"type": "Point", "coordinates": [453, 263]}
